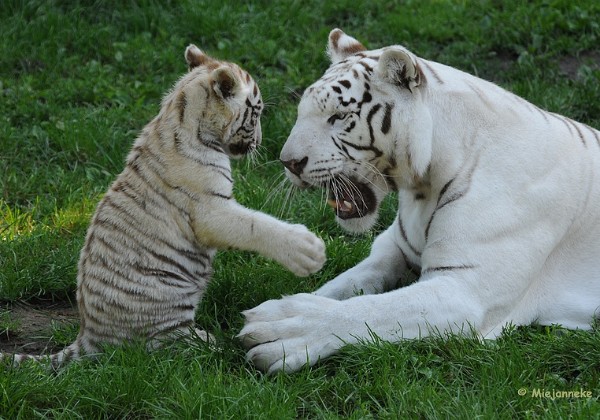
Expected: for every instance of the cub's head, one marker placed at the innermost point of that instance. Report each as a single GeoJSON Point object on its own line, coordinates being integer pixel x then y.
{"type": "Point", "coordinates": [219, 103]}
{"type": "Point", "coordinates": [362, 129]}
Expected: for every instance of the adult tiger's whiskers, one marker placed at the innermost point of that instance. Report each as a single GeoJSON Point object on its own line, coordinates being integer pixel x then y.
{"type": "Point", "coordinates": [277, 186]}
{"type": "Point", "coordinates": [287, 202]}
{"type": "Point", "coordinates": [377, 172]}
{"type": "Point", "coordinates": [257, 155]}
{"type": "Point", "coordinates": [353, 192]}
{"type": "Point", "coordinates": [334, 190]}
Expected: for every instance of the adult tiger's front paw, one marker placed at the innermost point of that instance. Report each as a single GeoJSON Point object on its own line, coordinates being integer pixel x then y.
{"type": "Point", "coordinates": [288, 333]}
{"type": "Point", "coordinates": [302, 252]}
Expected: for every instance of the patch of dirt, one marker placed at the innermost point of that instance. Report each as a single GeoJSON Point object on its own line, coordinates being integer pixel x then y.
{"type": "Point", "coordinates": [30, 325]}
{"type": "Point", "coordinates": [570, 65]}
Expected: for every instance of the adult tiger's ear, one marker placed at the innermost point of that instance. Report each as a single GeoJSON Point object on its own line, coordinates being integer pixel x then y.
{"type": "Point", "coordinates": [399, 66]}
{"type": "Point", "coordinates": [341, 46]}
{"type": "Point", "coordinates": [224, 82]}
{"type": "Point", "coordinates": [194, 57]}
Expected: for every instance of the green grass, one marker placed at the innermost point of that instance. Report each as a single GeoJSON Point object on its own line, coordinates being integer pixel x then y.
{"type": "Point", "coordinates": [79, 79]}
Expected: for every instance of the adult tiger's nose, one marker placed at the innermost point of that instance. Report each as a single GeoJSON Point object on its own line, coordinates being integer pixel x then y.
{"type": "Point", "coordinates": [295, 166]}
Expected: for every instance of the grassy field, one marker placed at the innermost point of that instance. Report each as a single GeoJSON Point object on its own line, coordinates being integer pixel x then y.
{"type": "Point", "coordinates": [79, 79]}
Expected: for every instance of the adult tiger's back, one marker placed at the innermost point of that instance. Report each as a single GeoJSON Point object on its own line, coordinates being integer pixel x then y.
{"type": "Point", "coordinates": [148, 252]}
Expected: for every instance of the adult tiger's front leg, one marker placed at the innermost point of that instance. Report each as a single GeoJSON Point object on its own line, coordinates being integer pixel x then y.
{"type": "Point", "coordinates": [379, 272]}
{"type": "Point", "coordinates": [302, 329]}
{"type": "Point", "coordinates": [298, 330]}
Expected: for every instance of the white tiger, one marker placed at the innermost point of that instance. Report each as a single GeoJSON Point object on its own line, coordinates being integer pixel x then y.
{"type": "Point", "coordinates": [499, 208]}
{"type": "Point", "coordinates": [148, 252]}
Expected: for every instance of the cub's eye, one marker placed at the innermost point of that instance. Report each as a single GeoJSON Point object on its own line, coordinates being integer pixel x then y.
{"type": "Point", "coordinates": [331, 120]}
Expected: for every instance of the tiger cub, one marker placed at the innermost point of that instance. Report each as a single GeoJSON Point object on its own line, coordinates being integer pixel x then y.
{"type": "Point", "coordinates": [147, 256]}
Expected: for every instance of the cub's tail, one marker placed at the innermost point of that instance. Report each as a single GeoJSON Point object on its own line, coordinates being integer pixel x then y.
{"type": "Point", "coordinates": [56, 360]}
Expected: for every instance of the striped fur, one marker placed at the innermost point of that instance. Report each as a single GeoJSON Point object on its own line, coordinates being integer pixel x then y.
{"type": "Point", "coordinates": [148, 253]}
{"type": "Point", "coordinates": [498, 210]}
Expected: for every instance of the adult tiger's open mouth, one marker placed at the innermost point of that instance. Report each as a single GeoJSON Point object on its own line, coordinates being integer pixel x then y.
{"type": "Point", "coordinates": [350, 198]}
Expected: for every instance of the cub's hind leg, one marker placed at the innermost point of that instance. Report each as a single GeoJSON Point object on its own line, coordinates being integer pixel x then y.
{"type": "Point", "coordinates": [204, 336]}
{"type": "Point", "coordinates": [189, 335]}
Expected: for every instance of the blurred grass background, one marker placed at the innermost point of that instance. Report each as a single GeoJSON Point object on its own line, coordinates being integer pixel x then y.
{"type": "Point", "coordinates": [78, 81]}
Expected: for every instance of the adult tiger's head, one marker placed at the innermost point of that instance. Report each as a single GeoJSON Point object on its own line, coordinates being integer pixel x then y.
{"type": "Point", "coordinates": [219, 102]}
{"type": "Point", "coordinates": [362, 129]}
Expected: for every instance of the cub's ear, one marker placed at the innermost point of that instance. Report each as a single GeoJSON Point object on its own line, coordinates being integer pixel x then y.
{"type": "Point", "coordinates": [399, 66]}
{"type": "Point", "coordinates": [224, 82]}
{"type": "Point", "coordinates": [194, 57]}
{"type": "Point", "coordinates": [341, 46]}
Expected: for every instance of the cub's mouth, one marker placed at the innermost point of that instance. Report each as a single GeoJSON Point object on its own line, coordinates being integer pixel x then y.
{"type": "Point", "coordinates": [350, 198]}
{"type": "Point", "coordinates": [240, 149]}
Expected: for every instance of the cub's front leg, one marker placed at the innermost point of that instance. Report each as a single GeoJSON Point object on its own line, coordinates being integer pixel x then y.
{"type": "Point", "coordinates": [224, 223]}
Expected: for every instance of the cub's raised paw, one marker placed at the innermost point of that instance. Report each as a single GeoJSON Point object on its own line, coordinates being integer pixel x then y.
{"type": "Point", "coordinates": [302, 252]}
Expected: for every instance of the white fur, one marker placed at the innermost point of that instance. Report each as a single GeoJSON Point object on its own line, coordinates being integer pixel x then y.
{"type": "Point", "coordinates": [521, 228]}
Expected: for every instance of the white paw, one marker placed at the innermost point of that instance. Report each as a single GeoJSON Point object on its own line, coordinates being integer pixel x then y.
{"type": "Point", "coordinates": [303, 252]}
{"type": "Point", "coordinates": [294, 331]}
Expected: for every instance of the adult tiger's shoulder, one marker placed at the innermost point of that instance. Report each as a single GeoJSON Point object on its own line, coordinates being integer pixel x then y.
{"type": "Point", "coordinates": [499, 203]}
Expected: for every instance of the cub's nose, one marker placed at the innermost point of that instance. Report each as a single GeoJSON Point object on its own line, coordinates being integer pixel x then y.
{"type": "Point", "coordinates": [295, 166]}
